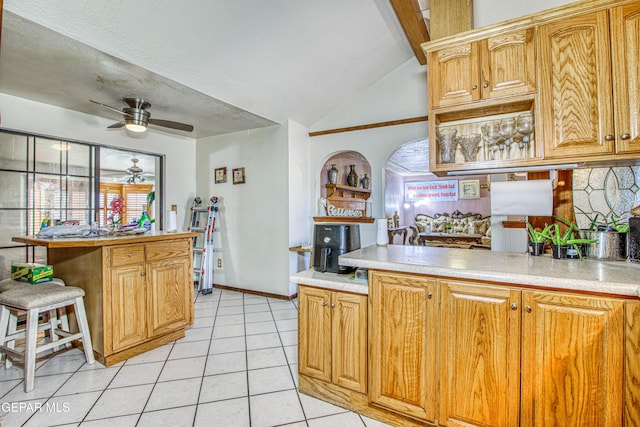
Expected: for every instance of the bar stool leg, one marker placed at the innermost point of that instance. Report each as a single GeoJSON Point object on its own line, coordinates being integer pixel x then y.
{"type": "Point", "coordinates": [30, 349]}
{"type": "Point", "coordinates": [5, 314]}
{"type": "Point", "coordinates": [83, 325]}
{"type": "Point", "coordinates": [13, 328]}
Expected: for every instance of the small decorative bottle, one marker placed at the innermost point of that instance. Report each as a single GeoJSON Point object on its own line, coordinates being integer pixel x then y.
{"type": "Point", "coordinates": [396, 220]}
{"type": "Point", "coordinates": [352, 178]}
{"type": "Point", "coordinates": [333, 174]}
{"type": "Point", "coordinates": [364, 181]}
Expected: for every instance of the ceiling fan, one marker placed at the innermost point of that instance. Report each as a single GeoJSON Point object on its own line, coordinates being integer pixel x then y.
{"type": "Point", "coordinates": [136, 118]}
{"type": "Point", "coordinates": [135, 171]}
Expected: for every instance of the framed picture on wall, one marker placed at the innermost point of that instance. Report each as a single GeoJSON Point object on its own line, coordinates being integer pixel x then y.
{"type": "Point", "coordinates": [220, 175]}
{"type": "Point", "coordinates": [238, 176]}
{"type": "Point", "coordinates": [470, 189]}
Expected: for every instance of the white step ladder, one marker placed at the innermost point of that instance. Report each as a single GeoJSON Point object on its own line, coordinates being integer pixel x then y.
{"type": "Point", "coordinates": [203, 221]}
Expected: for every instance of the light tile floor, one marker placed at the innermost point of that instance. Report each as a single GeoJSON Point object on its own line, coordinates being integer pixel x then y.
{"type": "Point", "coordinates": [237, 366]}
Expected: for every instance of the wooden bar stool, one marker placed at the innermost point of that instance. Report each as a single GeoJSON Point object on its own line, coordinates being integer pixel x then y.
{"type": "Point", "coordinates": [36, 299]}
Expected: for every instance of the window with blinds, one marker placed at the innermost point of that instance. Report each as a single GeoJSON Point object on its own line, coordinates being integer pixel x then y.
{"type": "Point", "coordinates": [135, 198]}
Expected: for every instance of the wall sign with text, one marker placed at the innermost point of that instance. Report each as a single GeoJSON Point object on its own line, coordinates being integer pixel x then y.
{"type": "Point", "coordinates": [437, 191]}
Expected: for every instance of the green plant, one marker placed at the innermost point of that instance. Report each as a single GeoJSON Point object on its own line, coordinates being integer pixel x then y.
{"type": "Point", "coordinates": [567, 238]}
{"type": "Point", "coordinates": [612, 223]}
{"type": "Point", "coordinates": [536, 236]}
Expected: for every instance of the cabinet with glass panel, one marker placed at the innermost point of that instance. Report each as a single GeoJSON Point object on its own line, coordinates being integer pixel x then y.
{"type": "Point", "coordinates": [498, 135]}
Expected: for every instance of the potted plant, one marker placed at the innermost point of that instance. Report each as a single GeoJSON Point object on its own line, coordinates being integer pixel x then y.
{"type": "Point", "coordinates": [561, 242]}
{"type": "Point", "coordinates": [537, 238]}
{"type": "Point", "coordinates": [609, 237]}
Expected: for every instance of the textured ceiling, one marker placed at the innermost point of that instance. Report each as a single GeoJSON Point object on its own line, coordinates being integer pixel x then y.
{"type": "Point", "coordinates": [222, 65]}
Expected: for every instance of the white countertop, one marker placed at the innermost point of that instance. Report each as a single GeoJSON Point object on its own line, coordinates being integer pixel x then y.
{"type": "Point", "coordinates": [609, 277]}
{"type": "Point", "coordinates": [338, 282]}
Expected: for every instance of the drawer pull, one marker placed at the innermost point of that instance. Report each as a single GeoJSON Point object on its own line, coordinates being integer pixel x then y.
{"type": "Point", "coordinates": [528, 308]}
{"type": "Point", "coordinates": [514, 306]}
{"type": "Point", "coordinates": [129, 255]}
{"type": "Point", "coordinates": [142, 273]}
{"type": "Point", "coordinates": [429, 295]}
{"type": "Point", "coordinates": [325, 304]}
{"type": "Point", "coordinates": [609, 137]}
{"type": "Point", "coordinates": [474, 87]}
{"type": "Point", "coordinates": [485, 85]}
{"type": "Point", "coordinates": [625, 136]}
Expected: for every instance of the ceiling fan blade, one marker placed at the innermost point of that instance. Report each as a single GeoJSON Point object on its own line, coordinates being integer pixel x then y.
{"type": "Point", "coordinates": [172, 125]}
{"type": "Point", "coordinates": [110, 108]}
{"type": "Point", "coordinates": [116, 125]}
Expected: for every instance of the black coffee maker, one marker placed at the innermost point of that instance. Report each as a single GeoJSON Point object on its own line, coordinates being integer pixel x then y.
{"type": "Point", "coordinates": [331, 241]}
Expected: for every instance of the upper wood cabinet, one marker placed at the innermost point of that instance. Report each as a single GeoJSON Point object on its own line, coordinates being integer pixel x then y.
{"type": "Point", "coordinates": [590, 83]}
{"type": "Point", "coordinates": [497, 66]}
{"type": "Point", "coordinates": [575, 86]}
{"type": "Point", "coordinates": [333, 337]}
{"type": "Point", "coordinates": [403, 343]}
{"type": "Point", "coordinates": [572, 360]}
{"type": "Point", "coordinates": [479, 355]}
{"type": "Point", "coordinates": [625, 28]}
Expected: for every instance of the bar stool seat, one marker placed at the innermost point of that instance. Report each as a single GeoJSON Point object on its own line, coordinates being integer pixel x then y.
{"type": "Point", "coordinates": [36, 299]}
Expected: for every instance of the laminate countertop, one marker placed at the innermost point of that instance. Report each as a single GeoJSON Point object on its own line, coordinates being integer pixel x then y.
{"type": "Point", "coordinates": [620, 278]}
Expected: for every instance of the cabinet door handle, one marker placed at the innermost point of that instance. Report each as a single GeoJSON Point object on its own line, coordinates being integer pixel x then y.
{"type": "Point", "coordinates": [325, 304]}
{"type": "Point", "coordinates": [333, 305]}
{"type": "Point", "coordinates": [625, 136]}
{"type": "Point", "coordinates": [474, 87]}
{"type": "Point", "coordinates": [514, 306]}
{"type": "Point", "coordinates": [142, 273]}
{"type": "Point", "coordinates": [609, 137]}
{"type": "Point", "coordinates": [429, 295]}
{"type": "Point", "coordinates": [485, 85]}
{"type": "Point", "coordinates": [129, 255]}
{"type": "Point", "coordinates": [528, 308]}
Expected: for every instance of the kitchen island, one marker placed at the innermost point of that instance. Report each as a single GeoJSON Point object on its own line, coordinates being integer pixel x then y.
{"type": "Point", "coordinates": [455, 337]}
{"type": "Point", "coordinates": [138, 288]}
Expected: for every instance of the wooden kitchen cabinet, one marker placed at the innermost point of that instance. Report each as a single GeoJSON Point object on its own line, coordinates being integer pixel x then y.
{"type": "Point", "coordinates": [402, 373]}
{"type": "Point", "coordinates": [625, 27]}
{"type": "Point", "coordinates": [497, 66]}
{"type": "Point", "coordinates": [148, 293]}
{"type": "Point", "coordinates": [128, 306]}
{"type": "Point", "coordinates": [572, 360]}
{"type": "Point", "coordinates": [576, 102]}
{"type": "Point", "coordinates": [479, 339]}
{"type": "Point", "coordinates": [590, 83]}
{"type": "Point", "coordinates": [138, 289]}
{"type": "Point", "coordinates": [332, 340]}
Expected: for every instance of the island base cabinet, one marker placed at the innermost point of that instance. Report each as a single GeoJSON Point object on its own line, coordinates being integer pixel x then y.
{"type": "Point", "coordinates": [572, 360]}
{"type": "Point", "coordinates": [128, 306]}
{"type": "Point", "coordinates": [479, 355]}
{"type": "Point", "coordinates": [403, 343]}
{"type": "Point", "coordinates": [332, 341]}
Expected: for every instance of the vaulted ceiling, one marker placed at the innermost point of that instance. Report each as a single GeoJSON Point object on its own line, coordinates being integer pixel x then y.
{"type": "Point", "coordinates": [223, 66]}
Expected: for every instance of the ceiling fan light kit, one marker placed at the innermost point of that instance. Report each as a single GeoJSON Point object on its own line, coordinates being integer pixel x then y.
{"type": "Point", "coordinates": [136, 118]}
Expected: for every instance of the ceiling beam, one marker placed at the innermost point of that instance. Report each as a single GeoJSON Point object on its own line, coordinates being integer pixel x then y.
{"type": "Point", "coordinates": [412, 21]}
{"type": "Point", "coordinates": [450, 17]}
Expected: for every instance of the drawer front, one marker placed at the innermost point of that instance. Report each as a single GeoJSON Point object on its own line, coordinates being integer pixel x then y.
{"type": "Point", "coordinates": [167, 250]}
{"type": "Point", "coordinates": [127, 255]}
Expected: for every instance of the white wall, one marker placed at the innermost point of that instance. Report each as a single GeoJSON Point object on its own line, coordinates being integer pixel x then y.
{"type": "Point", "coordinates": [299, 212]}
{"type": "Point", "coordinates": [487, 12]}
{"type": "Point", "coordinates": [28, 116]}
{"type": "Point", "coordinates": [400, 95]}
{"type": "Point", "coordinates": [253, 217]}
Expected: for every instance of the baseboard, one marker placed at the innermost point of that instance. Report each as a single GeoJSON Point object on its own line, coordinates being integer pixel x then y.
{"type": "Point", "coordinates": [259, 293]}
